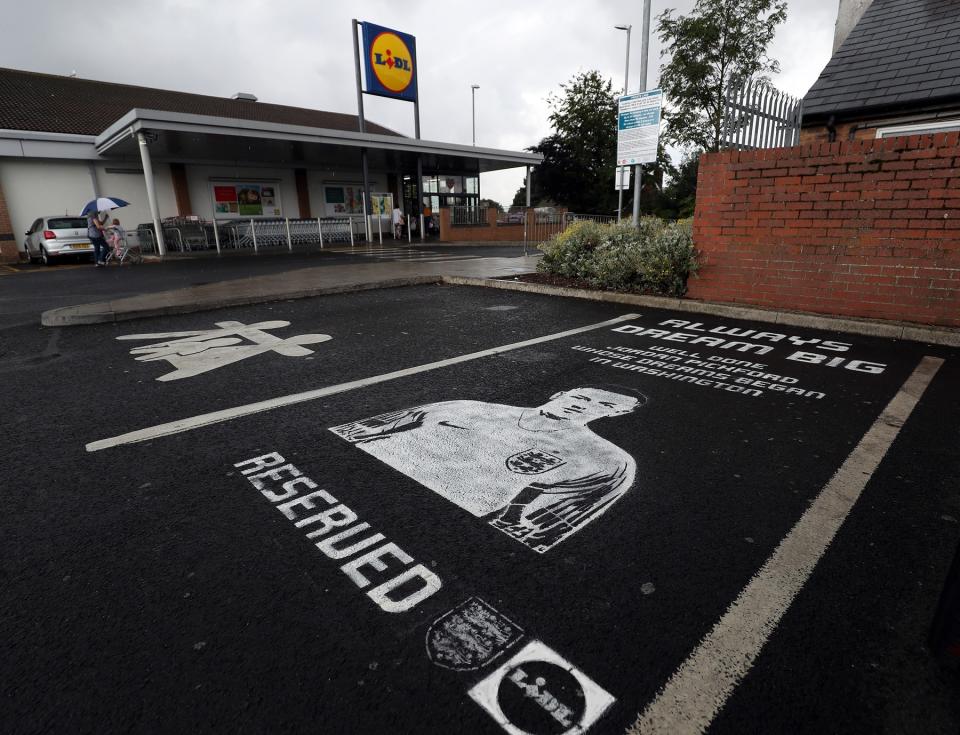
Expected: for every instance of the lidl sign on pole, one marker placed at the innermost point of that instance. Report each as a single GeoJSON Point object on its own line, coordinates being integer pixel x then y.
{"type": "Point", "coordinates": [638, 127]}
{"type": "Point", "coordinates": [390, 58]}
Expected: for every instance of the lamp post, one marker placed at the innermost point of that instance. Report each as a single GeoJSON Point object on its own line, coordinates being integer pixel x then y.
{"type": "Point", "coordinates": [626, 82]}
{"type": "Point", "coordinates": [645, 52]}
{"type": "Point", "coordinates": [473, 110]}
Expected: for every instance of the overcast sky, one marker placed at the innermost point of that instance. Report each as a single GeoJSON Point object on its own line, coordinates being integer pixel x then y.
{"type": "Point", "coordinates": [300, 53]}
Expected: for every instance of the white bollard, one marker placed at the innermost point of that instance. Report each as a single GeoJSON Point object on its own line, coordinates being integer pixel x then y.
{"type": "Point", "coordinates": [350, 227]}
{"type": "Point", "coordinates": [289, 241]}
{"type": "Point", "coordinates": [320, 230]}
{"type": "Point", "coordinates": [216, 235]}
{"type": "Point", "coordinates": [380, 227]}
{"type": "Point", "coordinates": [253, 232]}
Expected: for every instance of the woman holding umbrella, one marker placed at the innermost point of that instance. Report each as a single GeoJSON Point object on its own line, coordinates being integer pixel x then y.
{"type": "Point", "coordinates": [96, 213]}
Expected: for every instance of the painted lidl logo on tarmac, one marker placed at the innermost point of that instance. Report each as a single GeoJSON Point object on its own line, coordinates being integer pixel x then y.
{"type": "Point", "coordinates": [537, 692]}
{"type": "Point", "coordinates": [391, 61]}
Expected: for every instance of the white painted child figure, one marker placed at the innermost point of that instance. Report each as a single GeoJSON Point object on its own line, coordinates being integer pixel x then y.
{"type": "Point", "coordinates": [538, 474]}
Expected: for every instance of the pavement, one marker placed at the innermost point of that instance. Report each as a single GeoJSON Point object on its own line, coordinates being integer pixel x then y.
{"type": "Point", "coordinates": [349, 515]}
{"type": "Point", "coordinates": [28, 290]}
{"type": "Point", "coordinates": [294, 284]}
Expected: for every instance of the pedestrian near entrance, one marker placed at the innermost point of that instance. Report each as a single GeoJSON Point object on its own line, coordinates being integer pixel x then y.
{"type": "Point", "coordinates": [397, 223]}
{"type": "Point", "coordinates": [95, 231]}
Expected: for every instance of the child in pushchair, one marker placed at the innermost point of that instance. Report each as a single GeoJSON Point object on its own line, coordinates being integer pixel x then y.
{"type": "Point", "coordinates": [116, 237]}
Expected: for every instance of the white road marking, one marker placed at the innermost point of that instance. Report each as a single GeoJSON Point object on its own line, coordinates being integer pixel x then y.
{"type": "Point", "coordinates": [206, 419]}
{"type": "Point", "coordinates": [700, 687]}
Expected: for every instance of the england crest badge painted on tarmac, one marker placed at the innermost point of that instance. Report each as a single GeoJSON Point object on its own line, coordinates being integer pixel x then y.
{"type": "Point", "coordinates": [470, 636]}
{"type": "Point", "coordinates": [533, 462]}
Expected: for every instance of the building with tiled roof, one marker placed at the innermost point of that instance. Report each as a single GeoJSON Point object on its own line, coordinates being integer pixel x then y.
{"type": "Point", "coordinates": [896, 72]}
{"type": "Point", "coordinates": [60, 104]}
{"type": "Point", "coordinates": [65, 140]}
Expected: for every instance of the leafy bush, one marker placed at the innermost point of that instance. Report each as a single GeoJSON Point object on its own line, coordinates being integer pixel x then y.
{"type": "Point", "coordinates": [570, 252]}
{"type": "Point", "coordinates": [654, 257]}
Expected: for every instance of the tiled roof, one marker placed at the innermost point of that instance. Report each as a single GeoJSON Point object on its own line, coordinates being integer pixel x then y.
{"type": "Point", "coordinates": [903, 55]}
{"type": "Point", "coordinates": [50, 103]}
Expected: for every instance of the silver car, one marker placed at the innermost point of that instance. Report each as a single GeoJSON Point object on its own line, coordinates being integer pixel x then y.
{"type": "Point", "coordinates": [52, 238]}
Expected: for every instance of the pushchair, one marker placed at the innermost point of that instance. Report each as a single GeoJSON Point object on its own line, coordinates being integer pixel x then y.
{"type": "Point", "coordinates": [121, 251]}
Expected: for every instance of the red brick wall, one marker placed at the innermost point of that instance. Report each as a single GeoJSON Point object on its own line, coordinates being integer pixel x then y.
{"type": "Point", "coordinates": [181, 189]}
{"type": "Point", "coordinates": [303, 192]}
{"type": "Point", "coordinates": [820, 134]}
{"type": "Point", "coordinates": [490, 232]}
{"type": "Point", "coordinates": [867, 228]}
{"type": "Point", "coordinates": [9, 250]}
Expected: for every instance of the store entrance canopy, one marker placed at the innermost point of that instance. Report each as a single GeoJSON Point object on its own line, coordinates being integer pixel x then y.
{"type": "Point", "coordinates": [202, 138]}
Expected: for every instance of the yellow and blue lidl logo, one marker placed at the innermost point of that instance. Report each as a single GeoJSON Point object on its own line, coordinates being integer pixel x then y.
{"type": "Point", "coordinates": [390, 62]}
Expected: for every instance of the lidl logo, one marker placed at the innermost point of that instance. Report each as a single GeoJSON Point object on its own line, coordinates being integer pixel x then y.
{"type": "Point", "coordinates": [391, 61]}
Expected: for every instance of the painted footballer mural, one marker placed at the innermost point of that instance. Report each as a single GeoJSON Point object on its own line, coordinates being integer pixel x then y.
{"type": "Point", "coordinates": [537, 474]}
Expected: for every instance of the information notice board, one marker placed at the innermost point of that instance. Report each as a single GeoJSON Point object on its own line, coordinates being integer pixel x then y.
{"type": "Point", "coordinates": [638, 127]}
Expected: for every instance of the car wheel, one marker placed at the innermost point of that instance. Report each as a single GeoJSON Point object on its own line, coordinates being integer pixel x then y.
{"type": "Point", "coordinates": [30, 256]}
{"type": "Point", "coordinates": [47, 260]}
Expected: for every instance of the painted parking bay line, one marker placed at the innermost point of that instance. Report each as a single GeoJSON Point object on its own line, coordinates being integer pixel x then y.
{"type": "Point", "coordinates": [227, 414]}
{"type": "Point", "coordinates": [700, 687]}
{"type": "Point", "coordinates": [9, 270]}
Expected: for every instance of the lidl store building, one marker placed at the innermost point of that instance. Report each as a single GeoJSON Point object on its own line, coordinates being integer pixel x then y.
{"type": "Point", "coordinates": [65, 140]}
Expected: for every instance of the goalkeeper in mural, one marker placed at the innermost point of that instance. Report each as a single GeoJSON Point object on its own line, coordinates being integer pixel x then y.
{"type": "Point", "coordinates": [537, 474]}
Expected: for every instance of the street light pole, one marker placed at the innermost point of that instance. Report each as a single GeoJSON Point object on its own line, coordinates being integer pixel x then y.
{"type": "Point", "coordinates": [626, 84]}
{"type": "Point", "coordinates": [473, 110]}
{"type": "Point", "coordinates": [644, 53]}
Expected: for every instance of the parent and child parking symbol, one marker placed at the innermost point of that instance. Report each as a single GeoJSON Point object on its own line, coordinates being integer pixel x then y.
{"type": "Point", "coordinates": [201, 351]}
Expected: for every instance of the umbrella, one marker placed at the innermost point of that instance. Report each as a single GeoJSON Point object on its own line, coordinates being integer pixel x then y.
{"type": "Point", "coordinates": [103, 204]}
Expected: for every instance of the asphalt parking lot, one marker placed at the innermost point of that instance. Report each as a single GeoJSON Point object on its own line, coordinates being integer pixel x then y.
{"type": "Point", "coordinates": [28, 289]}
{"type": "Point", "coordinates": [445, 509]}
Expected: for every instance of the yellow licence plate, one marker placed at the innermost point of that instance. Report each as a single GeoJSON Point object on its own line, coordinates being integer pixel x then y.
{"type": "Point", "coordinates": [80, 246]}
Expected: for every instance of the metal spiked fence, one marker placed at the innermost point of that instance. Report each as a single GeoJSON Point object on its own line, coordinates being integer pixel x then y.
{"type": "Point", "coordinates": [758, 115]}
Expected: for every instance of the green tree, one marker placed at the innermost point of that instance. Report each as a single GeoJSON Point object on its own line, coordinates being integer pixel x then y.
{"type": "Point", "coordinates": [579, 157]}
{"type": "Point", "coordinates": [491, 203]}
{"type": "Point", "coordinates": [681, 191]}
{"type": "Point", "coordinates": [719, 46]}
{"type": "Point", "coordinates": [653, 197]}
